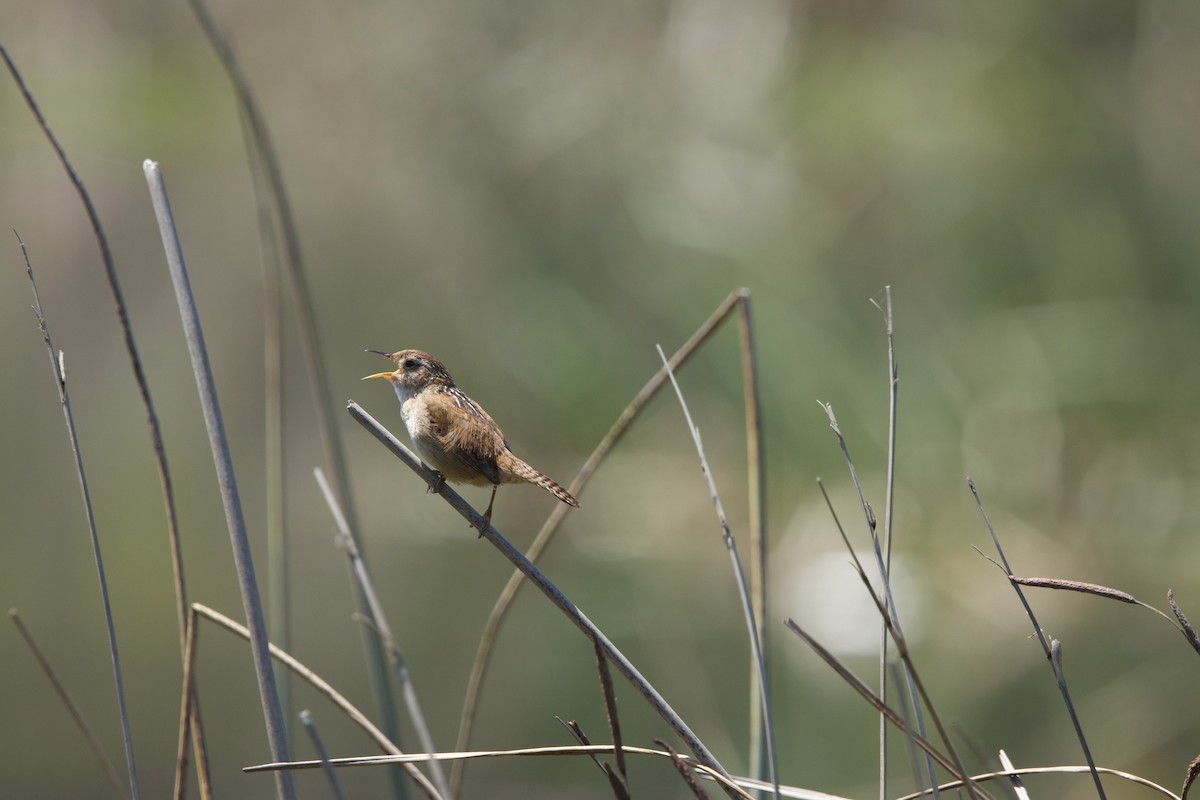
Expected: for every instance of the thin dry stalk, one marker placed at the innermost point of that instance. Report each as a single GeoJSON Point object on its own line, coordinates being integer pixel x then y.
{"type": "Point", "coordinates": [509, 593]}
{"type": "Point", "coordinates": [235, 520]}
{"type": "Point", "coordinates": [489, 532]}
{"type": "Point", "coordinates": [756, 477]}
{"type": "Point", "coordinates": [730, 785]}
{"type": "Point", "coordinates": [59, 370]}
{"type": "Point", "coordinates": [379, 623]}
{"type": "Point", "coordinates": [335, 783]}
{"type": "Point", "coordinates": [1047, 648]}
{"type": "Point", "coordinates": [323, 686]}
{"type": "Point", "coordinates": [888, 508]}
{"type": "Point", "coordinates": [76, 713]}
{"type": "Point", "coordinates": [610, 708]}
{"type": "Point", "coordinates": [188, 695]}
{"type": "Point", "coordinates": [685, 772]}
{"type": "Point", "coordinates": [739, 576]}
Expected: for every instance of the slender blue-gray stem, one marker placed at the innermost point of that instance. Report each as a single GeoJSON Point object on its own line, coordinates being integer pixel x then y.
{"type": "Point", "coordinates": [335, 783]}
{"type": "Point", "coordinates": [234, 519]}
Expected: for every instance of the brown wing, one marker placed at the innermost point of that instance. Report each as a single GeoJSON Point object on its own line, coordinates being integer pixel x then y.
{"type": "Point", "coordinates": [469, 437]}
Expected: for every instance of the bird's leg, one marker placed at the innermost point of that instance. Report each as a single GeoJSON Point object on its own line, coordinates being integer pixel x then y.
{"type": "Point", "coordinates": [437, 487]}
{"type": "Point", "coordinates": [487, 515]}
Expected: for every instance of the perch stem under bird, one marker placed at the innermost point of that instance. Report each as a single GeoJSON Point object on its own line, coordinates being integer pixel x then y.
{"type": "Point", "coordinates": [452, 433]}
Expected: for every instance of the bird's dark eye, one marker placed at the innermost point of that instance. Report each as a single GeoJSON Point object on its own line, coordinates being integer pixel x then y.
{"type": "Point", "coordinates": [411, 363]}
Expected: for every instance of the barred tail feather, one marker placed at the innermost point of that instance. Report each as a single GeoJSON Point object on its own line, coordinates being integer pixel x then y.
{"type": "Point", "coordinates": [523, 472]}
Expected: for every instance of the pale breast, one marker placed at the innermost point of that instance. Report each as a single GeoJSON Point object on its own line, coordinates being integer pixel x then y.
{"type": "Point", "coordinates": [424, 431]}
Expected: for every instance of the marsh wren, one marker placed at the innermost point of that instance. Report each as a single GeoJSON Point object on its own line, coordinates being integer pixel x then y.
{"type": "Point", "coordinates": [453, 434]}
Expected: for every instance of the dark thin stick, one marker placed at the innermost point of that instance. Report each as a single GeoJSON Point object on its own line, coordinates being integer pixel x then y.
{"type": "Point", "coordinates": [234, 519]}
{"type": "Point", "coordinates": [756, 475]}
{"type": "Point", "coordinates": [58, 368]}
{"type": "Point", "coordinates": [76, 714]}
{"type": "Point", "coordinates": [1047, 648]}
{"type": "Point", "coordinates": [684, 770]}
{"type": "Point", "coordinates": [610, 708]}
{"type": "Point", "coordinates": [335, 697]}
{"type": "Point", "coordinates": [615, 781]}
{"type": "Point", "coordinates": [379, 623]}
{"type": "Point", "coordinates": [509, 593]}
{"type": "Point", "coordinates": [335, 783]}
{"type": "Point", "coordinates": [489, 532]}
{"type": "Point", "coordinates": [739, 576]}
{"type": "Point", "coordinates": [865, 692]}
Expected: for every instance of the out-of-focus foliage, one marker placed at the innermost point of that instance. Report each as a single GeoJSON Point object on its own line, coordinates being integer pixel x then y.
{"type": "Point", "coordinates": [538, 192]}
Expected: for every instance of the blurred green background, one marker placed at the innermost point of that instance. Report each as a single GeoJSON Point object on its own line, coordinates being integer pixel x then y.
{"type": "Point", "coordinates": [538, 193]}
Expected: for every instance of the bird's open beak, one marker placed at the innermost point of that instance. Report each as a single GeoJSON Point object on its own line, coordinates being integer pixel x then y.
{"type": "Point", "coordinates": [387, 375]}
{"type": "Point", "coordinates": [380, 352]}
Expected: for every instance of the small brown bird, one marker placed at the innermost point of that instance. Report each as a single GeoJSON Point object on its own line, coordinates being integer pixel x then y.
{"type": "Point", "coordinates": [452, 433]}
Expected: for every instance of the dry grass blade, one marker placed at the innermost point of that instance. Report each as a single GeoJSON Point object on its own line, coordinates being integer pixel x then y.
{"type": "Point", "coordinates": [986, 777]}
{"type": "Point", "coordinates": [552, 592]}
{"type": "Point", "coordinates": [74, 710]}
{"type": "Point", "coordinates": [323, 686]}
{"type": "Point", "coordinates": [58, 368]}
{"type": "Point", "coordinates": [756, 480]}
{"type": "Point", "coordinates": [729, 784]}
{"type": "Point", "coordinates": [540, 542]}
